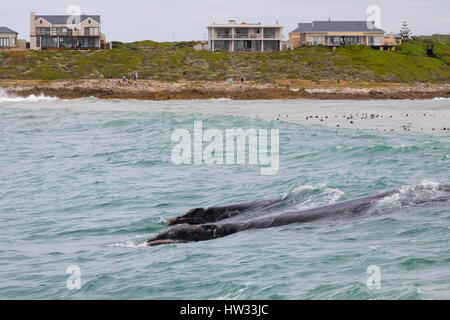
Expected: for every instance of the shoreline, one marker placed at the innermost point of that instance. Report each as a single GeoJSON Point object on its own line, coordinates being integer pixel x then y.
{"type": "Point", "coordinates": [189, 90]}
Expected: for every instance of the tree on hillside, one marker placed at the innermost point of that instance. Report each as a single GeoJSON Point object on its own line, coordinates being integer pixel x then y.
{"type": "Point", "coordinates": [405, 33]}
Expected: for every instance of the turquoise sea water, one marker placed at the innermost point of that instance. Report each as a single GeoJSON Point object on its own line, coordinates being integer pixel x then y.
{"type": "Point", "coordinates": [85, 182]}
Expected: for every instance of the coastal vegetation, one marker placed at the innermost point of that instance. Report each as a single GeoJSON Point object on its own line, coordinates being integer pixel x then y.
{"type": "Point", "coordinates": [174, 61]}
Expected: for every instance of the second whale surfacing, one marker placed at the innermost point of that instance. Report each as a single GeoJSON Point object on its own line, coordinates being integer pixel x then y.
{"type": "Point", "coordinates": [202, 224]}
{"type": "Point", "coordinates": [214, 214]}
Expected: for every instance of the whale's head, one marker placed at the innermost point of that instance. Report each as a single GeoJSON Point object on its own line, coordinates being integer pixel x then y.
{"type": "Point", "coordinates": [194, 216]}
{"type": "Point", "coordinates": [184, 234]}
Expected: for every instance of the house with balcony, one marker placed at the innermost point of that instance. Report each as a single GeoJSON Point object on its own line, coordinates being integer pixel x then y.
{"type": "Point", "coordinates": [244, 37]}
{"type": "Point", "coordinates": [8, 38]}
{"type": "Point", "coordinates": [66, 32]}
{"type": "Point", "coordinates": [337, 33]}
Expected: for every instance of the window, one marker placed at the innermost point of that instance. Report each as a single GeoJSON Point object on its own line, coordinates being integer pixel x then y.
{"type": "Point", "coordinates": [270, 32]}
{"type": "Point", "coordinates": [241, 33]}
{"type": "Point", "coordinates": [271, 45]}
{"type": "Point", "coordinates": [247, 45]}
{"type": "Point", "coordinates": [89, 43]}
{"type": "Point", "coordinates": [68, 42]}
{"type": "Point", "coordinates": [43, 31]}
{"type": "Point", "coordinates": [374, 41]}
{"type": "Point", "coordinates": [38, 42]}
{"type": "Point", "coordinates": [4, 42]}
{"type": "Point", "coordinates": [61, 31]}
{"type": "Point", "coordinates": [223, 33]}
{"type": "Point", "coordinates": [315, 40]}
{"type": "Point", "coordinates": [91, 31]}
{"type": "Point", "coordinates": [49, 42]}
{"type": "Point", "coordinates": [352, 40]}
{"type": "Point", "coordinates": [222, 45]}
{"type": "Point", "coordinates": [335, 40]}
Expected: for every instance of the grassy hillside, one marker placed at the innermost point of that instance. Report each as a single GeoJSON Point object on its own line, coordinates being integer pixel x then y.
{"type": "Point", "coordinates": [173, 61]}
{"type": "Point", "coordinates": [433, 38]}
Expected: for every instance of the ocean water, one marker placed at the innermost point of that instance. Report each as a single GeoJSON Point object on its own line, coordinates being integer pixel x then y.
{"type": "Point", "coordinates": [85, 182]}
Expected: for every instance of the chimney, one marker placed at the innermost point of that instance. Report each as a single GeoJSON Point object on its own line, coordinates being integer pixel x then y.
{"type": "Point", "coordinates": [329, 19]}
{"type": "Point", "coordinates": [32, 22]}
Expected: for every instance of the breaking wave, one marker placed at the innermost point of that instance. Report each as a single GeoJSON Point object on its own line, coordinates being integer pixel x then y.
{"type": "Point", "coordinates": [427, 191]}
{"type": "Point", "coordinates": [127, 244]}
{"type": "Point", "coordinates": [5, 97]}
{"type": "Point", "coordinates": [312, 196]}
{"type": "Point", "coordinates": [308, 196]}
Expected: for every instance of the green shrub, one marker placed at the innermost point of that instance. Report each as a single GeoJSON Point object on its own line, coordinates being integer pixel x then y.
{"type": "Point", "coordinates": [172, 61]}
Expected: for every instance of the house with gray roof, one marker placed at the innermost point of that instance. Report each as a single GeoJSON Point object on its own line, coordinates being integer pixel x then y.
{"type": "Point", "coordinates": [8, 38]}
{"type": "Point", "coordinates": [54, 32]}
{"type": "Point", "coordinates": [336, 33]}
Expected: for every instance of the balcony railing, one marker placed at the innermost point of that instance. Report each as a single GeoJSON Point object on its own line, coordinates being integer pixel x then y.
{"type": "Point", "coordinates": [245, 36]}
{"type": "Point", "coordinates": [241, 35]}
{"type": "Point", "coordinates": [249, 36]}
{"type": "Point", "coordinates": [43, 31]}
{"type": "Point", "coordinates": [59, 32]}
{"type": "Point", "coordinates": [223, 35]}
{"type": "Point", "coordinates": [89, 31]}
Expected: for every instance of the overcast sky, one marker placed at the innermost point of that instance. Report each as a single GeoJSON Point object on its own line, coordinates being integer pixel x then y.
{"type": "Point", "coordinates": [167, 20]}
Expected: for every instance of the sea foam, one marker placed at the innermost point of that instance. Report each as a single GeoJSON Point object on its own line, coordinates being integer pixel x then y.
{"type": "Point", "coordinates": [5, 97]}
